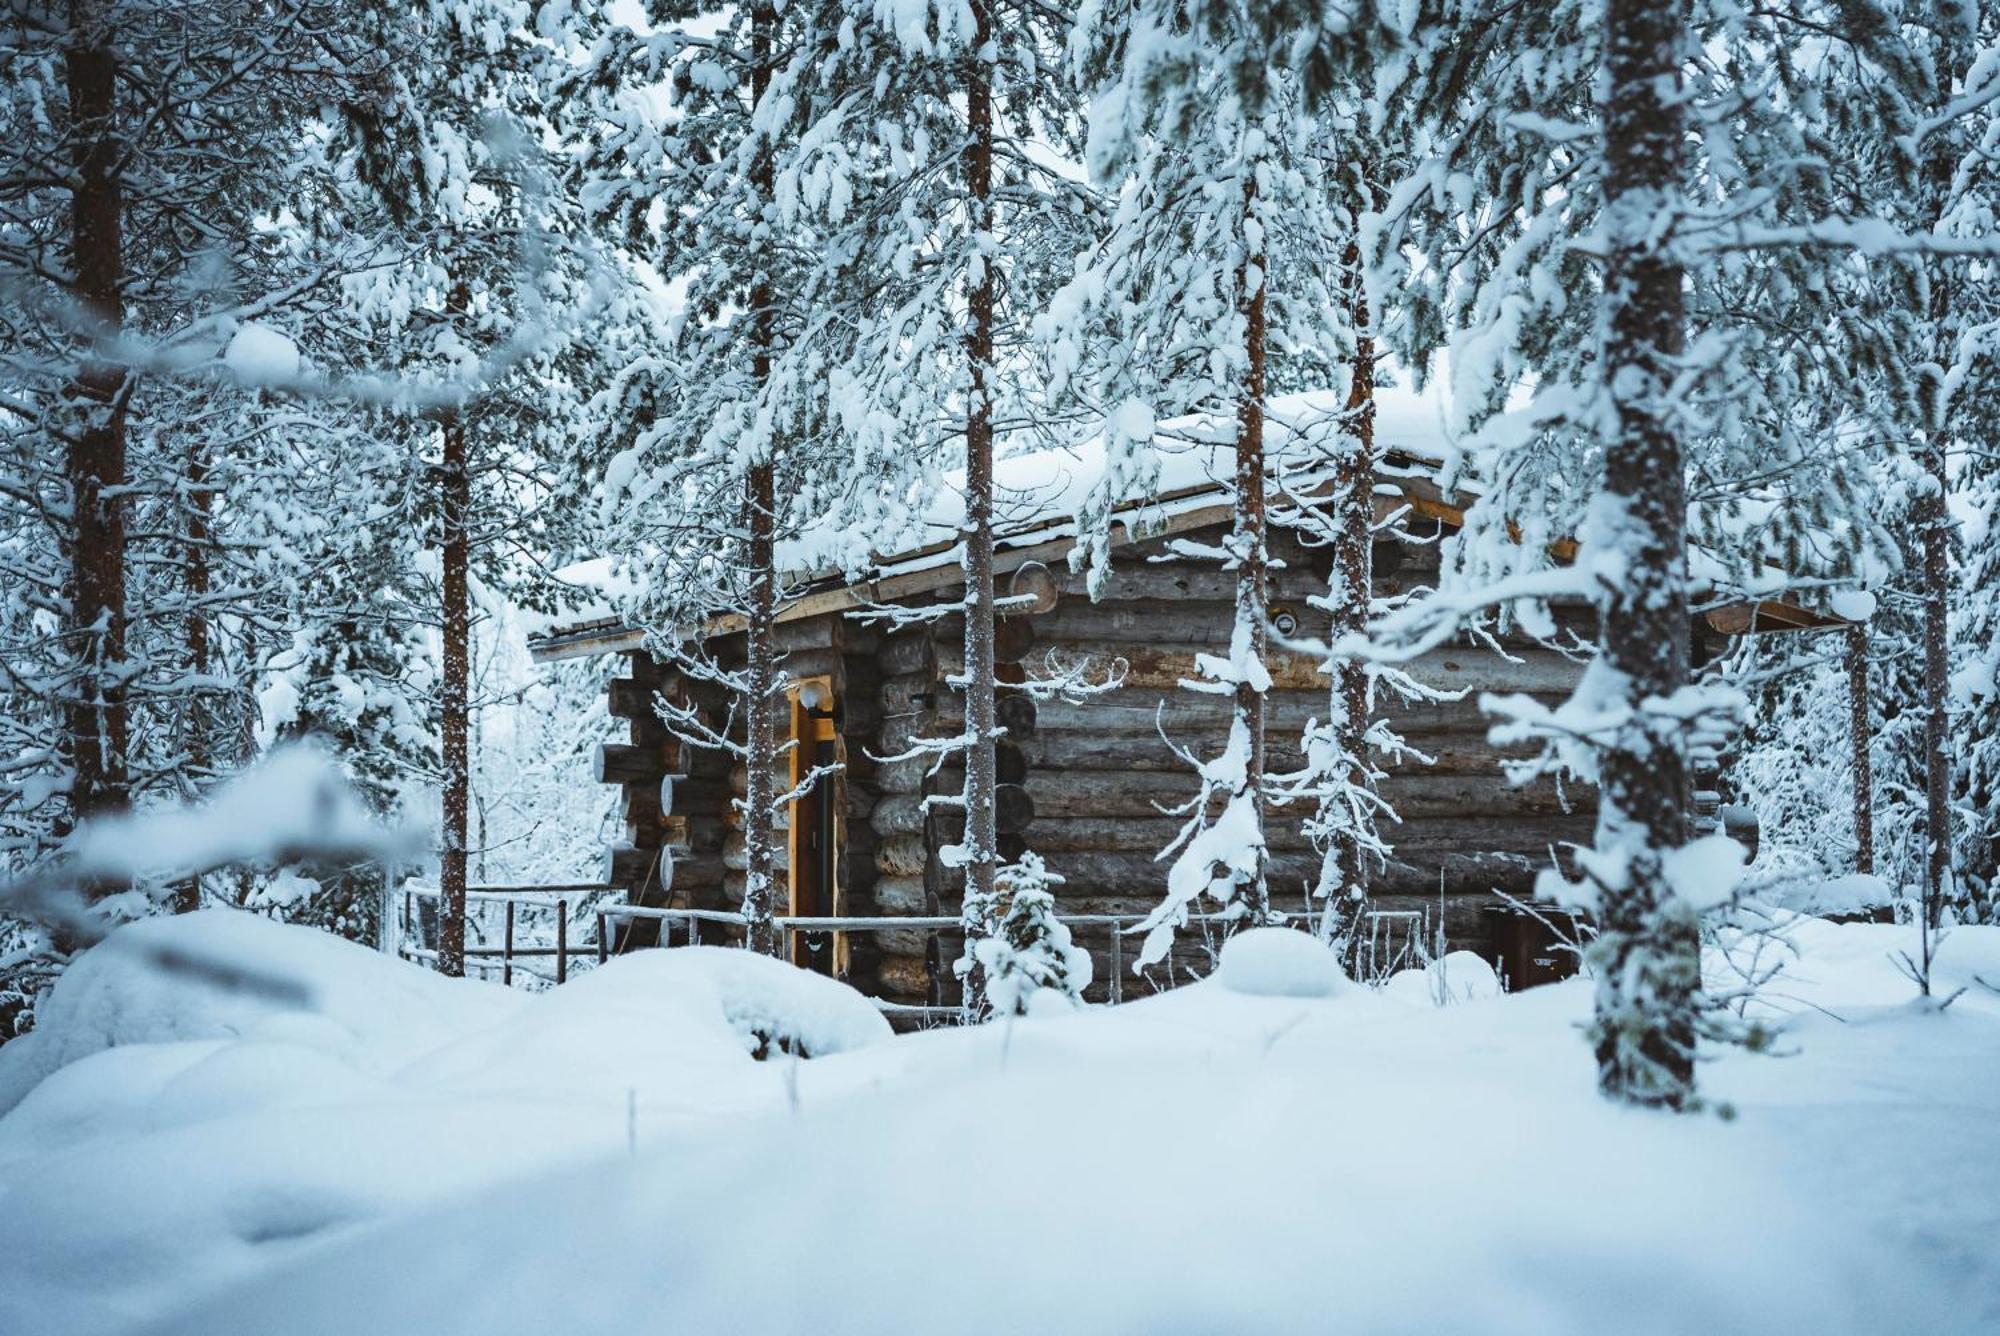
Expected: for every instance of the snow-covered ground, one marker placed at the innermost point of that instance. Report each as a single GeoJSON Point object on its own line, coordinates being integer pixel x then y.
{"type": "Point", "coordinates": [371, 1149]}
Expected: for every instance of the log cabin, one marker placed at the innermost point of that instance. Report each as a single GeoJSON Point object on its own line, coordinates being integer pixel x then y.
{"type": "Point", "coordinates": [1087, 782]}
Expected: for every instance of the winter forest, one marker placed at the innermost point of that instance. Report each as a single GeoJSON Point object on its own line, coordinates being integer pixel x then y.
{"type": "Point", "coordinates": [976, 665]}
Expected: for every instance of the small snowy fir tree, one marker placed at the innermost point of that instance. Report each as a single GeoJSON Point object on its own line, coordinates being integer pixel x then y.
{"type": "Point", "coordinates": [1021, 951]}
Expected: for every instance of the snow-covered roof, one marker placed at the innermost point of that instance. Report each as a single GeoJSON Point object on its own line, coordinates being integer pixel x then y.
{"type": "Point", "coordinates": [1038, 495]}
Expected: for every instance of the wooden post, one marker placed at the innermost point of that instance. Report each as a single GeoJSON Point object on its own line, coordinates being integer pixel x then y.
{"type": "Point", "coordinates": [603, 937]}
{"type": "Point", "coordinates": [562, 942]}
{"type": "Point", "coordinates": [1117, 963]}
{"type": "Point", "coordinates": [1864, 769]}
{"type": "Point", "coordinates": [507, 950]}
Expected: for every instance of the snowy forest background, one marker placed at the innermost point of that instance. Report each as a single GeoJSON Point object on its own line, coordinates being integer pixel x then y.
{"type": "Point", "coordinates": [334, 329]}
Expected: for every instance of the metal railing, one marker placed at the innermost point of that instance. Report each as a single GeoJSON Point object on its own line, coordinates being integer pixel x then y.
{"type": "Point", "coordinates": [791, 925]}
{"type": "Point", "coordinates": [514, 899]}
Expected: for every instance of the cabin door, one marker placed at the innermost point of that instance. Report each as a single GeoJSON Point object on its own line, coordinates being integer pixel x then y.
{"type": "Point", "coordinates": [814, 836]}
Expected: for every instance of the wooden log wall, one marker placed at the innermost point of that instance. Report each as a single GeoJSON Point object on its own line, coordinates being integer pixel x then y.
{"type": "Point", "coordinates": [1091, 781]}
{"type": "Point", "coordinates": [683, 842]}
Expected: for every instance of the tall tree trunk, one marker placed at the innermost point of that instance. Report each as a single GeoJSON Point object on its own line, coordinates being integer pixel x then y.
{"type": "Point", "coordinates": [1647, 956]}
{"type": "Point", "coordinates": [981, 825]}
{"type": "Point", "coordinates": [760, 846]}
{"type": "Point", "coordinates": [1937, 692]}
{"type": "Point", "coordinates": [1352, 589]}
{"type": "Point", "coordinates": [454, 513]}
{"type": "Point", "coordinates": [1249, 543]}
{"type": "Point", "coordinates": [96, 721]}
{"type": "Point", "coordinates": [200, 738]}
{"type": "Point", "coordinates": [1864, 765]}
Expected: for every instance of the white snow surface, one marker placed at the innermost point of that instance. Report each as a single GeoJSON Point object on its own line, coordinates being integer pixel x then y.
{"type": "Point", "coordinates": [261, 356]}
{"type": "Point", "coordinates": [1279, 962]}
{"type": "Point", "coordinates": [406, 1153]}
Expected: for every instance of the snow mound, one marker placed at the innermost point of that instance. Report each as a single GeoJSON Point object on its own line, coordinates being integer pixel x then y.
{"type": "Point", "coordinates": [763, 1004]}
{"type": "Point", "coordinates": [260, 355]}
{"type": "Point", "coordinates": [1456, 976]}
{"type": "Point", "coordinates": [1279, 962]}
{"type": "Point", "coordinates": [225, 974]}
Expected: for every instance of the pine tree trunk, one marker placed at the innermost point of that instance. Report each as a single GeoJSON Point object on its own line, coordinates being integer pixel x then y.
{"type": "Point", "coordinates": [1248, 542]}
{"type": "Point", "coordinates": [760, 848]}
{"type": "Point", "coordinates": [981, 835]}
{"type": "Point", "coordinates": [1864, 766]}
{"type": "Point", "coordinates": [1353, 519]}
{"type": "Point", "coordinates": [95, 714]}
{"type": "Point", "coordinates": [454, 513]}
{"type": "Point", "coordinates": [200, 749]}
{"type": "Point", "coordinates": [1646, 957]}
{"type": "Point", "coordinates": [1937, 692]}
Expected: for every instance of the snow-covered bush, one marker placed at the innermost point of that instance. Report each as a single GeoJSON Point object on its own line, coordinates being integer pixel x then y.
{"type": "Point", "coordinates": [1020, 948]}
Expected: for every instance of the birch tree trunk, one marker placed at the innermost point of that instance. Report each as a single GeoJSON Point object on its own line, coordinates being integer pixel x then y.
{"type": "Point", "coordinates": [95, 709]}
{"type": "Point", "coordinates": [761, 611]}
{"type": "Point", "coordinates": [981, 833]}
{"type": "Point", "coordinates": [1248, 543]}
{"type": "Point", "coordinates": [1646, 956]}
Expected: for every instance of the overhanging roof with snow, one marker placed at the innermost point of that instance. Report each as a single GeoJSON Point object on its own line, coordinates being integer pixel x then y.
{"type": "Point", "coordinates": [1038, 498]}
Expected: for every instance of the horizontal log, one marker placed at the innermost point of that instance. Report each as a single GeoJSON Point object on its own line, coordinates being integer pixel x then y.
{"type": "Point", "coordinates": [915, 775]}
{"type": "Point", "coordinates": [1138, 713]}
{"type": "Point", "coordinates": [815, 662]}
{"type": "Point", "coordinates": [901, 732]}
{"type": "Point", "coordinates": [911, 650]}
{"type": "Point", "coordinates": [909, 693]}
{"type": "Point", "coordinates": [1013, 711]}
{"type": "Point", "coordinates": [622, 763]}
{"type": "Point", "coordinates": [906, 813]}
{"type": "Point", "coordinates": [1013, 641]}
{"type": "Point", "coordinates": [637, 869]}
{"type": "Point", "coordinates": [1414, 840]}
{"type": "Point", "coordinates": [1413, 793]}
{"type": "Point", "coordinates": [1185, 583]}
{"type": "Point", "coordinates": [803, 633]}
{"type": "Point", "coordinates": [902, 856]}
{"type": "Point", "coordinates": [900, 895]}
{"type": "Point", "coordinates": [633, 698]}
{"type": "Point", "coordinates": [736, 859]}
{"type": "Point", "coordinates": [689, 796]}
{"type": "Point", "coordinates": [1094, 875]}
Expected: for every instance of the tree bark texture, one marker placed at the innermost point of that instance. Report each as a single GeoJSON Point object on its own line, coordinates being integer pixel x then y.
{"type": "Point", "coordinates": [1937, 690]}
{"type": "Point", "coordinates": [96, 715]}
{"type": "Point", "coordinates": [454, 514]}
{"type": "Point", "coordinates": [1249, 544]}
{"type": "Point", "coordinates": [200, 740]}
{"type": "Point", "coordinates": [1864, 767]}
{"type": "Point", "coordinates": [760, 839]}
{"type": "Point", "coordinates": [1646, 956]}
{"type": "Point", "coordinates": [981, 842]}
{"type": "Point", "coordinates": [1351, 590]}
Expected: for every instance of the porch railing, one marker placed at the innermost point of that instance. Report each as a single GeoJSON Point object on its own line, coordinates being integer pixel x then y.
{"type": "Point", "coordinates": [691, 922]}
